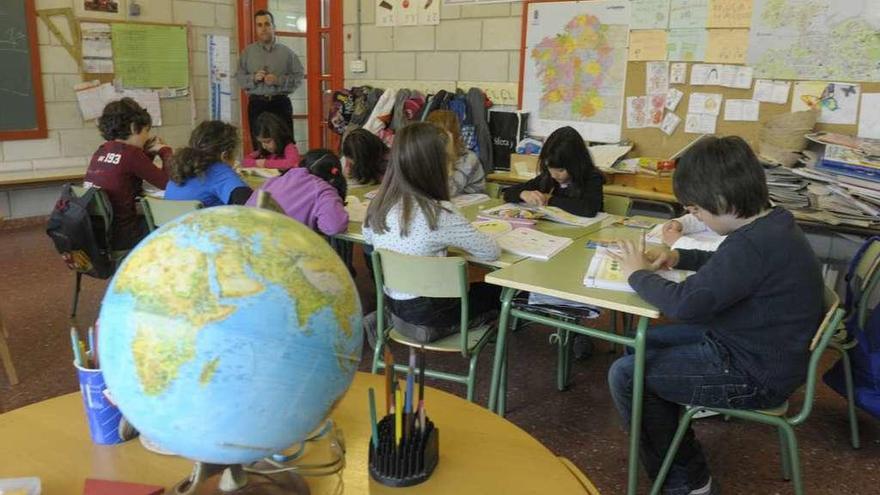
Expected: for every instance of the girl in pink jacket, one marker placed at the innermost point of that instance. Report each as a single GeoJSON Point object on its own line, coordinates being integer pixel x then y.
{"type": "Point", "coordinates": [275, 145]}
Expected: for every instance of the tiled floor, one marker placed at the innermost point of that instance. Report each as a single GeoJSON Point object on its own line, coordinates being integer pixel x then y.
{"type": "Point", "coordinates": [580, 423]}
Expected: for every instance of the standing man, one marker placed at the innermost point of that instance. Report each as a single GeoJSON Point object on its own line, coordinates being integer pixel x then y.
{"type": "Point", "coordinates": [268, 72]}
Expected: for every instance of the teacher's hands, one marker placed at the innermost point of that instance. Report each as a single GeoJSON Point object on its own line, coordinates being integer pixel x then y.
{"type": "Point", "coordinates": [260, 76]}
{"type": "Point", "coordinates": [271, 79]}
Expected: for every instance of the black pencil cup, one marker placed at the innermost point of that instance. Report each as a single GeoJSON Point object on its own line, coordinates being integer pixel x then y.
{"type": "Point", "coordinates": [407, 464]}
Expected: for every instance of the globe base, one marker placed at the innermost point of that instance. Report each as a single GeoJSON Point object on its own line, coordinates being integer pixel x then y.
{"type": "Point", "coordinates": [218, 479]}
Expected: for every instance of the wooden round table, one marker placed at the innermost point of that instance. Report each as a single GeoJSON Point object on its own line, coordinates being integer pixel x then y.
{"type": "Point", "coordinates": [480, 452]}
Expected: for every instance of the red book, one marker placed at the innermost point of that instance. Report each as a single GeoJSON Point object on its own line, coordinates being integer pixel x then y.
{"type": "Point", "coordinates": [107, 487]}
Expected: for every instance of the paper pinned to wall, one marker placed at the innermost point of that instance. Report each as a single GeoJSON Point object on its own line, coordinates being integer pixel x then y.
{"type": "Point", "coordinates": [673, 98]}
{"type": "Point", "coordinates": [656, 78]}
{"type": "Point", "coordinates": [649, 14]}
{"type": "Point", "coordinates": [97, 48]}
{"type": "Point", "coordinates": [708, 103]}
{"type": "Point", "coordinates": [686, 45]}
{"type": "Point", "coordinates": [636, 112]}
{"type": "Point", "coordinates": [727, 46]}
{"type": "Point", "coordinates": [656, 108]}
{"type": "Point", "coordinates": [146, 98]}
{"type": "Point", "coordinates": [745, 110]}
{"type": "Point", "coordinates": [150, 55]}
{"type": "Point", "coordinates": [730, 13]}
{"type": "Point", "coordinates": [219, 76]}
{"type": "Point", "coordinates": [686, 14]}
{"type": "Point", "coordinates": [429, 13]}
{"type": "Point", "coordinates": [770, 91]}
{"type": "Point", "coordinates": [678, 73]}
{"type": "Point", "coordinates": [838, 102]}
{"type": "Point", "coordinates": [91, 97]}
{"type": "Point", "coordinates": [869, 116]}
{"type": "Point", "coordinates": [700, 123]}
{"type": "Point", "coordinates": [736, 76]}
{"type": "Point", "coordinates": [385, 12]}
{"type": "Point", "coordinates": [670, 123]}
{"type": "Point", "coordinates": [406, 13]}
{"type": "Point", "coordinates": [647, 45]}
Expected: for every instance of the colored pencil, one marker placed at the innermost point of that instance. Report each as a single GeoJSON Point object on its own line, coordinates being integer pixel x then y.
{"type": "Point", "coordinates": [389, 380]}
{"type": "Point", "coordinates": [398, 417]}
{"type": "Point", "coordinates": [410, 380]}
{"type": "Point", "coordinates": [373, 424]}
{"type": "Point", "coordinates": [77, 350]}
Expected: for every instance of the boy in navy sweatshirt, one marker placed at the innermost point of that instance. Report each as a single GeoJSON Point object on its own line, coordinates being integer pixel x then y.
{"type": "Point", "coordinates": [747, 316]}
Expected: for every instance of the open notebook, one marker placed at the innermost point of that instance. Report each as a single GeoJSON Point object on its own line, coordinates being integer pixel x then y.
{"type": "Point", "coordinates": [604, 272]}
{"type": "Point", "coordinates": [519, 213]}
{"type": "Point", "coordinates": [523, 241]}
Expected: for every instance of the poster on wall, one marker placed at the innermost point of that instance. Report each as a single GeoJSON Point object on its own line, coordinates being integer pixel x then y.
{"type": "Point", "coordinates": [574, 73]}
{"type": "Point", "coordinates": [219, 77]}
{"type": "Point", "coordinates": [475, 2]}
{"type": "Point", "coordinates": [101, 9]}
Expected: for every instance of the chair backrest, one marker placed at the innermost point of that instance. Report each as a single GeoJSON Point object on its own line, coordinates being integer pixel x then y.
{"type": "Point", "coordinates": [493, 190]}
{"type": "Point", "coordinates": [863, 281]}
{"type": "Point", "coordinates": [424, 276]}
{"type": "Point", "coordinates": [833, 316]}
{"type": "Point", "coordinates": [617, 205]}
{"type": "Point", "coordinates": [158, 212]}
{"type": "Point", "coordinates": [267, 202]}
{"type": "Point", "coordinates": [99, 207]}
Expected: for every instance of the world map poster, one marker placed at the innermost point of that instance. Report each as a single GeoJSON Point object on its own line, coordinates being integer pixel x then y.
{"type": "Point", "coordinates": [823, 40]}
{"type": "Point", "coordinates": [575, 67]}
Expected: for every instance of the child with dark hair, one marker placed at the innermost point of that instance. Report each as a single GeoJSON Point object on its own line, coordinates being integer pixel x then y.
{"type": "Point", "coordinates": [466, 174]}
{"type": "Point", "coordinates": [123, 162]}
{"type": "Point", "coordinates": [747, 315]}
{"type": "Point", "coordinates": [568, 178]}
{"type": "Point", "coordinates": [366, 157]}
{"type": "Point", "coordinates": [313, 193]}
{"type": "Point", "coordinates": [202, 170]}
{"type": "Point", "coordinates": [275, 145]}
{"type": "Point", "coordinates": [412, 214]}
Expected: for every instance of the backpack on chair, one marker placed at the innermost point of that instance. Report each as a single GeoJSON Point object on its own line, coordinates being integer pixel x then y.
{"type": "Point", "coordinates": [83, 247]}
{"type": "Point", "coordinates": [865, 354]}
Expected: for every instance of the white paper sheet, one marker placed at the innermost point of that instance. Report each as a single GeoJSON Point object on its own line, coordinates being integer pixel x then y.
{"type": "Point", "coordinates": [770, 91]}
{"type": "Point", "coordinates": [656, 78]}
{"type": "Point", "coordinates": [700, 123]}
{"type": "Point", "coordinates": [636, 112]}
{"type": "Point", "coordinates": [869, 116]}
{"type": "Point", "coordinates": [678, 73]}
{"type": "Point", "coordinates": [708, 103]}
{"type": "Point", "coordinates": [673, 98]}
{"type": "Point", "coordinates": [746, 110]}
{"type": "Point", "coordinates": [670, 123]}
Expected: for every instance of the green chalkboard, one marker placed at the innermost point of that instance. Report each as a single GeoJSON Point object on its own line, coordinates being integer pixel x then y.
{"type": "Point", "coordinates": [22, 112]}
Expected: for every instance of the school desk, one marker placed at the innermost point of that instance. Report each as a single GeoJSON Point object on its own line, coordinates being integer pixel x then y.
{"type": "Point", "coordinates": [651, 188]}
{"type": "Point", "coordinates": [562, 276]}
{"type": "Point", "coordinates": [480, 452]}
{"type": "Point", "coordinates": [471, 212]}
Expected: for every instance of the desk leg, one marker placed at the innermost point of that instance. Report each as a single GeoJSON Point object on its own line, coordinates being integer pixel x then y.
{"type": "Point", "coordinates": [635, 428]}
{"type": "Point", "coordinates": [500, 350]}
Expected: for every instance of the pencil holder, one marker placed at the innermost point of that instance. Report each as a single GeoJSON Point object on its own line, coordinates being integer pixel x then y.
{"type": "Point", "coordinates": [103, 417]}
{"type": "Point", "coordinates": [409, 463]}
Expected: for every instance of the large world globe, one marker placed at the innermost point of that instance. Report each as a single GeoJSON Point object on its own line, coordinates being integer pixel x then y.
{"type": "Point", "coordinates": [228, 334]}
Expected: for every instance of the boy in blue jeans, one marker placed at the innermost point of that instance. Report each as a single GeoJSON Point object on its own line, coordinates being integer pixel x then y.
{"type": "Point", "coordinates": [747, 315]}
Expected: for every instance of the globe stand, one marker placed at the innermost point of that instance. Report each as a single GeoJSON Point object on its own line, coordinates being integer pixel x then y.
{"type": "Point", "coordinates": [220, 479]}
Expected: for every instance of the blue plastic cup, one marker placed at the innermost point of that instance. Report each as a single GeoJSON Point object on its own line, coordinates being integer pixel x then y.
{"type": "Point", "coordinates": [104, 418]}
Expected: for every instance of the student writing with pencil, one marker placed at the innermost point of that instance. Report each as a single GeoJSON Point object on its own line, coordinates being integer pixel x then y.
{"type": "Point", "coordinates": [568, 178]}
{"type": "Point", "coordinates": [746, 317]}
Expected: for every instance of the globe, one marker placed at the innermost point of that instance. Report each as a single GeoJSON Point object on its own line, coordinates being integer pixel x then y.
{"type": "Point", "coordinates": [228, 334]}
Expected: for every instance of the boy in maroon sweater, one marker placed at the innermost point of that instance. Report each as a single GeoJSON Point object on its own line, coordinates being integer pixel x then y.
{"type": "Point", "coordinates": [120, 166]}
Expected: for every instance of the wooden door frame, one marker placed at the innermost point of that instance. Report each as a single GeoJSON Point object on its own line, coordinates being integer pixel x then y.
{"type": "Point", "coordinates": [316, 118]}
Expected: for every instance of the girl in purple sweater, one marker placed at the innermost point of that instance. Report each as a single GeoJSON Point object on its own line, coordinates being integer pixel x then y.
{"type": "Point", "coordinates": [312, 193]}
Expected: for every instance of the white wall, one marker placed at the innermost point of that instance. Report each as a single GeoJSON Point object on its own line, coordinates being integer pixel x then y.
{"type": "Point", "coordinates": [72, 141]}
{"type": "Point", "coordinates": [471, 43]}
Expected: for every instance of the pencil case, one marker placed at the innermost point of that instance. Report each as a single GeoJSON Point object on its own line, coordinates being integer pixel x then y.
{"type": "Point", "coordinates": [409, 463]}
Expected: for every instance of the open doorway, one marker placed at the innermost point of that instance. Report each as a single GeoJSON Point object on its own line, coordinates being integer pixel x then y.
{"type": "Point", "coordinates": [313, 30]}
